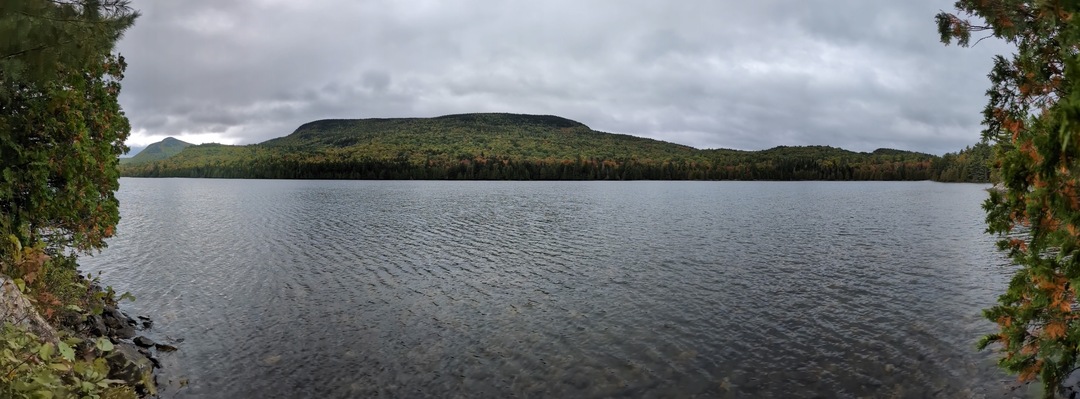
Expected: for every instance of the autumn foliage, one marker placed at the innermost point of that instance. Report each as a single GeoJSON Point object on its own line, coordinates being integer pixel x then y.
{"type": "Point", "coordinates": [61, 130]}
{"type": "Point", "coordinates": [1033, 119]}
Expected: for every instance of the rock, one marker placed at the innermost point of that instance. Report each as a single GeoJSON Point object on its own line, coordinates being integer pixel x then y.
{"type": "Point", "coordinates": [96, 326]}
{"type": "Point", "coordinates": [16, 308]}
{"type": "Point", "coordinates": [144, 342]}
{"type": "Point", "coordinates": [112, 318]}
{"type": "Point", "coordinates": [130, 366]}
{"type": "Point", "coordinates": [147, 323]}
{"type": "Point", "coordinates": [117, 323]}
{"type": "Point", "coordinates": [165, 347]}
{"type": "Point", "coordinates": [124, 332]}
{"type": "Point", "coordinates": [144, 318]}
{"type": "Point", "coordinates": [130, 321]}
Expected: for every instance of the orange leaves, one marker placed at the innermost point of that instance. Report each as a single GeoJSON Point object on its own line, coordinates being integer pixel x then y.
{"type": "Point", "coordinates": [1004, 321]}
{"type": "Point", "coordinates": [998, 113]}
{"type": "Point", "coordinates": [1029, 373]}
{"type": "Point", "coordinates": [1028, 148]}
{"type": "Point", "coordinates": [1028, 99]}
{"type": "Point", "coordinates": [48, 303]}
{"type": "Point", "coordinates": [1013, 126]}
{"type": "Point", "coordinates": [1025, 89]}
{"type": "Point", "coordinates": [1030, 348]}
{"type": "Point", "coordinates": [1055, 330]}
{"type": "Point", "coordinates": [1004, 21]}
{"type": "Point", "coordinates": [1049, 222]}
{"type": "Point", "coordinates": [1068, 190]}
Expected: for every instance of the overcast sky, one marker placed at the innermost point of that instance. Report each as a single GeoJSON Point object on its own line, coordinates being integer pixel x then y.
{"type": "Point", "coordinates": [751, 75]}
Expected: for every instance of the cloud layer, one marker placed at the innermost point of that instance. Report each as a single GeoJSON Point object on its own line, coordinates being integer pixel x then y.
{"type": "Point", "coordinates": [710, 74]}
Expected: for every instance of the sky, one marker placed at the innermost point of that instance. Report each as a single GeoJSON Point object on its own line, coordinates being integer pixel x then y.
{"type": "Point", "coordinates": [748, 75]}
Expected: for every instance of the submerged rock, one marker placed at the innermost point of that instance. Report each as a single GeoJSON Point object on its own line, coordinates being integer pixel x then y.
{"type": "Point", "coordinates": [144, 342]}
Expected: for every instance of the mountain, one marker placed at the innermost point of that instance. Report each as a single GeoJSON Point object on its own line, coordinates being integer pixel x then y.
{"type": "Point", "coordinates": [515, 147]}
{"type": "Point", "coordinates": [157, 151]}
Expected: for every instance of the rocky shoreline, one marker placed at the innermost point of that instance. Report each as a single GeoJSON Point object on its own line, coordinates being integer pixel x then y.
{"type": "Point", "coordinates": [133, 357]}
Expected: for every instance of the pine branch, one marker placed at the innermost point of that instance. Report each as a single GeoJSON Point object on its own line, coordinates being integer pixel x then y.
{"type": "Point", "coordinates": [38, 48]}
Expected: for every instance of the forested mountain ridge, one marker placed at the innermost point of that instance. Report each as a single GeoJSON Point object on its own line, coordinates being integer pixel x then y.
{"type": "Point", "coordinates": [515, 147]}
{"type": "Point", "coordinates": [157, 151]}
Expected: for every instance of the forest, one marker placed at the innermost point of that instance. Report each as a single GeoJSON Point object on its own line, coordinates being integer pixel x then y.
{"type": "Point", "coordinates": [529, 147]}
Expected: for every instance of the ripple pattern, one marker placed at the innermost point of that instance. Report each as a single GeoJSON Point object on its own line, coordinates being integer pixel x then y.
{"type": "Point", "coordinates": [285, 289]}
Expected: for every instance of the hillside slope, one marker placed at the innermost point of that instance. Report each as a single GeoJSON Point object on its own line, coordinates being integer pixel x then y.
{"type": "Point", "coordinates": [157, 151]}
{"type": "Point", "coordinates": [517, 147]}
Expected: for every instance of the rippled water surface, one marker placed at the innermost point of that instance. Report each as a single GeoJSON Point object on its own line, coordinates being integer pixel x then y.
{"type": "Point", "coordinates": [561, 289]}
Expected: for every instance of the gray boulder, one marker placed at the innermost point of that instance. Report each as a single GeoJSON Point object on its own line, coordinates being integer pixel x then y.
{"type": "Point", "coordinates": [16, 308]}
{"type": "Point", "coordinates": [128, 365]}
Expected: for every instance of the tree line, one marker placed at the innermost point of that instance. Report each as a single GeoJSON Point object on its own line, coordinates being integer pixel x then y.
{"type": "Point", "coordinates": [530, 147]}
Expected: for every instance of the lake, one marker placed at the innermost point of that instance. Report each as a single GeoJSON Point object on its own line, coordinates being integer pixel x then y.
{"type": "Point", "coordinates": [282, 289]}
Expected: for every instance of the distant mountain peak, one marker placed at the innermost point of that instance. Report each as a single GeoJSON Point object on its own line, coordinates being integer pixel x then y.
{"type": "Point", "coordinates": [165, 148]}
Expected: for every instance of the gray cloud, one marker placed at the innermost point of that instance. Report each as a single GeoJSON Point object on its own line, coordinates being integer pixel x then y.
{"type": "Point", "coordinates": [710, 74]}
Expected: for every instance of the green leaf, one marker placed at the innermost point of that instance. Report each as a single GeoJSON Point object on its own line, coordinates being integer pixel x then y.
{"type": "Point", "coordinates": [8, 355]}
{"type": "Point", "coordinates": [72, 341]}
{"type": "Point", "coordinates": [66, 352]}
{"type": "Point", "coordinates": [46, 351]}
{"type": "Point", "coordinates": [104, 344]}
{"type": "Point", "coordinates": [64, 367]}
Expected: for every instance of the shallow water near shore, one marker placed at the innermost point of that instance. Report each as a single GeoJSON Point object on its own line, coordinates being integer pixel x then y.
{"type": "Point", "coordinates": [288, 289]}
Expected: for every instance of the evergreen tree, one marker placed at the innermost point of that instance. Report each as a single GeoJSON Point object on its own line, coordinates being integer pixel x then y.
{"type": "Point", "coordinates": [1033, 118]}
{"type": "Point", "coordinates": [61, 127]}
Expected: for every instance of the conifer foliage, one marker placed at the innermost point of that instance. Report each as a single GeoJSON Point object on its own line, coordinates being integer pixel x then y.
{"type": "Point", "coordinates": [61, 127]}
{"type": "Point", "coordinates": [1033, 117]}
